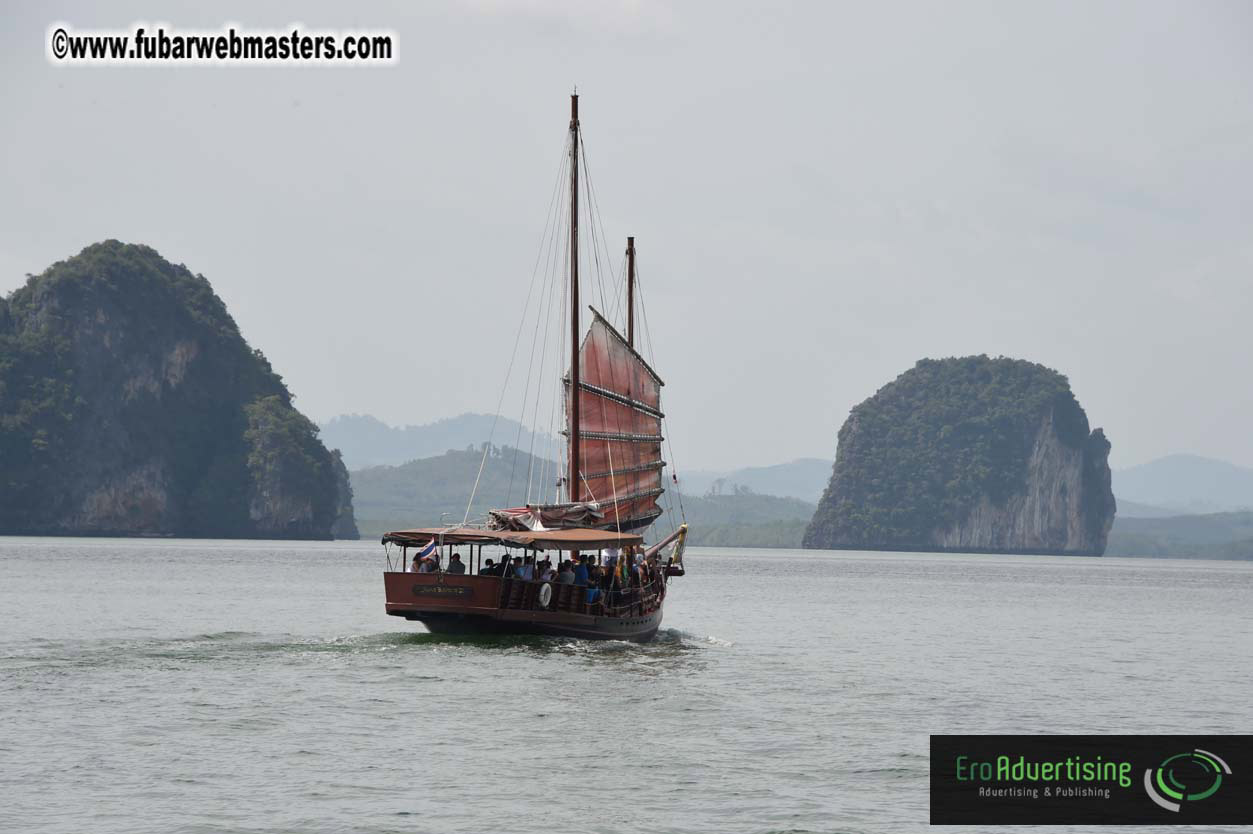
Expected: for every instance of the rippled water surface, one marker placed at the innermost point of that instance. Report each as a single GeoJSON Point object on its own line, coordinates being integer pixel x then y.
{"type": "Point", "coordinates": [195, 686]}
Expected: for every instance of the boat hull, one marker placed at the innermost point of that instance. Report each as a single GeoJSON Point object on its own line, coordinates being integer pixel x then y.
{"type": "Point", "coordinates": [448, 604]}
{"type": "Point", "coordinates": [634, 629]}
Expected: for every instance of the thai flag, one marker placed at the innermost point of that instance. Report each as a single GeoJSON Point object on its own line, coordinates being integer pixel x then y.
{"type": "Point", "coordinates": [431, 551]}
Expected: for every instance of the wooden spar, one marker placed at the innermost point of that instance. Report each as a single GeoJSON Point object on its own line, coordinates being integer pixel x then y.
{"type": "Point", "coordinates": [630, 253]}
{"type": "Point", "coordinates": [655, 549]}
{"type": "Point", "coordinates": [572, 485]}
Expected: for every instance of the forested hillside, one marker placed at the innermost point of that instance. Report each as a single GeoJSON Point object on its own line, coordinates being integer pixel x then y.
{"type": "Point", "coordinates": [131, 404]}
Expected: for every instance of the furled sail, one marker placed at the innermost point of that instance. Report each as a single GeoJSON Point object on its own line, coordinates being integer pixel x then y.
{"type": "Point", "coordinates": [619, 429]}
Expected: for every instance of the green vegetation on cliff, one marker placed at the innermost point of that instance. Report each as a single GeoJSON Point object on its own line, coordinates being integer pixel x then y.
{"type": "Point", "coordinates": [131, 404]}
{"type": "Point", "coordinates": [929, 447]}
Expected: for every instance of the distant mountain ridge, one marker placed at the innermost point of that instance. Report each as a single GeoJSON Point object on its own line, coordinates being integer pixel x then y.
{"type": "Point", "coordinates": [436, 490]}
{"type": "Point", "coordinates": [1174, 485]}
{"type": "Point", "coordinates": [1211, 536]}
{"type": "Point", "coordinates": [759, 506]}
{"type": "Point", "coordinates": [1133, 509]}
{"type": "Point", "coordinates": [803, 478]}
{"type": "Point", "coordinates": [365, 440]}
{"type": "Point", "coordinates": [1187, 484]}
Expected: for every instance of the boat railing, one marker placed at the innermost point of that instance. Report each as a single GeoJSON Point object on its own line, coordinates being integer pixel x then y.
{"type": "Point", "coordinates": [524, 594]}
{"type": "Point", "coordinates": [528, 594]}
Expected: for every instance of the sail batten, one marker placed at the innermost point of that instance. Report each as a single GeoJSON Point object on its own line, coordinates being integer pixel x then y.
{"type": "Point", "coordinates": [656, 464]}
{"type": "Point", "coordinates": [620, 437]}
{"type": "Point", "coordinates": [619, 398]}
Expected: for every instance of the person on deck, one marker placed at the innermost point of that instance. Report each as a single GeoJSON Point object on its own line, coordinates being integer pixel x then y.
{"type": "Point", "coordinates": [428, 566]}
{"type": "Point", "coordinates": [595, 575]}
{"type": "Point", "coordinates": [547, 574]}
{"type": "Point", "coordinates": [488, 569]}
{"type": "Point", "coordinates": [580, 571]}
{"type": "Point", "coordinates": [455, 565]}
{"type": "Point", "coordinates": [526, 571]}
{"type": "Point", "coordinates": [513, 569]}
{"type": "Point", "coordinates": [566, 575]}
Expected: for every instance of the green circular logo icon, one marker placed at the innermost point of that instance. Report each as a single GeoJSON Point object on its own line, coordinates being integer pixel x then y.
{"type": "Point", "coordinates": [1185, 777]}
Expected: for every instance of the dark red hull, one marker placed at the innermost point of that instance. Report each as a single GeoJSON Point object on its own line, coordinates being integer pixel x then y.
{"type": "Point", "coordinates": [458, 604]}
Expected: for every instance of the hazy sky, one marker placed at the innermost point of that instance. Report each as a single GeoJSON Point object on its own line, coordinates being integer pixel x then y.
{"type": "Point", "coordinates": [821, 195]}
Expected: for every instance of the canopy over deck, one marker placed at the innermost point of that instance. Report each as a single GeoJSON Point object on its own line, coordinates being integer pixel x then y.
{"type": "Point", "coordinates": [574, 538]}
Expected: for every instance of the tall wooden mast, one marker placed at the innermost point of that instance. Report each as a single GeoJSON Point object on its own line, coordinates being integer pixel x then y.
{"type": "Point", "coordinates": [572, 485]}
{"type": "Point", "coordinates": [630, 253]}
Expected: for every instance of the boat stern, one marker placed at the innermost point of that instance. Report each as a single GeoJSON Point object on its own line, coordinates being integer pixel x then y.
{"type": "Point", "coordinates": [409, 594]}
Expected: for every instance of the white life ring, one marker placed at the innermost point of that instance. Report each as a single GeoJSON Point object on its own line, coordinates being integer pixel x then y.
{"type": "Point", "coordinates": [545, 594]}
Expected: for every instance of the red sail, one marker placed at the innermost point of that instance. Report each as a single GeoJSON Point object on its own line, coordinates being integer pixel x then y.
{"type": "Point", "coordinates": [619, 429]}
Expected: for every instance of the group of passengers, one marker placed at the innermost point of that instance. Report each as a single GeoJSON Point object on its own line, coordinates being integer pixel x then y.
{"type": "Point", "coordinates": [429, 563]}
{"type": "Point", "coordinates": [584, 570]}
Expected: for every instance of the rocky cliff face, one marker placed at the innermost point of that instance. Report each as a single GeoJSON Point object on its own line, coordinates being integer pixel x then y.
{"type": "Point", "coordinates": [972, 454]}
{"type": "Point", "coordinates": [1061, 508]}
{"type": "Point", "coordinates": [131, 404]}
{"type": "Point", "coordinates": [345, 526]}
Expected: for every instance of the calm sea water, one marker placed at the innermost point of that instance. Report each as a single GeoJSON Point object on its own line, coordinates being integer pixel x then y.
{"type": "Point", "coordinates": [196, 686]}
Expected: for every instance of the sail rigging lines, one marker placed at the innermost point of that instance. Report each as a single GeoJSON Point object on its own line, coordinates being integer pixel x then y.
{"type": "Point", "coordinates": [647, 341]}
{"type": "Point", "coordinates": [547, 308]}
{"type": "Point", "coordinates": [617, 437]}
{"type": "Point", "coordinates": [595, 218]}
{"type": "Point", "coordinates": [504, 388]}
{"type": "Point", "coordinates": [612, 302]}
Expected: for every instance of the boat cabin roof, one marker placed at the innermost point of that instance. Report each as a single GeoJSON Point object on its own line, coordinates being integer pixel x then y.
{"type": "Point", "coordinates": [573, 538]}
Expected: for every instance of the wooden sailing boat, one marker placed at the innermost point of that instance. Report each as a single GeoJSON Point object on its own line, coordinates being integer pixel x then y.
{"type": "Point", "coordinates": [614, 481]}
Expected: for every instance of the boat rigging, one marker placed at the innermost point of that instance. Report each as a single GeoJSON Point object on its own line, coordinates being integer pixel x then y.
{"type": "Point", "coordinates": [606, 584]}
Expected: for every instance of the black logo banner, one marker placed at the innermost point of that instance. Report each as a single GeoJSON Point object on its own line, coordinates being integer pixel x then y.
{"type": "Point", "coordinates": [1092, 780]}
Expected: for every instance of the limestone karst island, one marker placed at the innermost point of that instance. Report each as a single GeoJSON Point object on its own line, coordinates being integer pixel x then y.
{"type": "Point", "coordinates": [970, 455]}
{"type": "Point", "coordinates": [130, 404]}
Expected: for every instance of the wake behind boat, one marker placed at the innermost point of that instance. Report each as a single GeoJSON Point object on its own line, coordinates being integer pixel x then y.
{"type": "Point", "coordinates": [575, 566]}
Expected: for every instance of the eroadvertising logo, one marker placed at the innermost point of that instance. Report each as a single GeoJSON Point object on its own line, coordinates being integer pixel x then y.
{"type": "Point", "coordinates": [1195, 775]}
{"type": "Point", "coordinates": [1112, 780]}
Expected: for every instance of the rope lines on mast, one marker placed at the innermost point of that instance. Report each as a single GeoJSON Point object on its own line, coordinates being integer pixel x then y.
{"type": "Point", "coordinates": [591, 225]}
{"type": "Point", "coordinates": [539, 390]}
{"type": "Point", "coordinates": [612, 422]}
{"type": "Point", "coordinates": [546, 293]}
{"type": "Point", "coordinates": [593, 201]}
{"type": "Point", "coordinates": [526, 395]}
{"type": "Point", "coordinates": [557, 397]}
{"type": "Point", "coordinates": [648, 340]}
{"type": "Point", "coordinates": [516, 340]}
{"type": "Point", "coordinates": [612, 303]}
